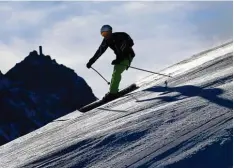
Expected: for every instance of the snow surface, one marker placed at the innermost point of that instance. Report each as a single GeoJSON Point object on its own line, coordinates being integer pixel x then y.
{"type": "Point", "coordinates": [187, 124]}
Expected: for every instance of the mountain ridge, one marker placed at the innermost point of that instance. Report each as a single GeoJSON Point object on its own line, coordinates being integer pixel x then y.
{"type": "Point", "coordinates": [36, 91]}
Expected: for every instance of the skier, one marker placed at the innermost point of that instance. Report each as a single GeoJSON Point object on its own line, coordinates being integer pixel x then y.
{"type": "Point", "coordinates": [121, 43]}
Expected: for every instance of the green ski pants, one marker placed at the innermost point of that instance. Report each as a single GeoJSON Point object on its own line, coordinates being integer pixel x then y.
{"type": "Point", "coordinates": [116, 76]}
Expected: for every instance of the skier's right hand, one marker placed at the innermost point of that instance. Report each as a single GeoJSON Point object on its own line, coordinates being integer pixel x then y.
{"type": "Point", "coordinates": [89, 64]}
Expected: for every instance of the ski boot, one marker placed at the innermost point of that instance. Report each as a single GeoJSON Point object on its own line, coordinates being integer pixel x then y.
{"type": "Point", "coordinates": [110, 96]}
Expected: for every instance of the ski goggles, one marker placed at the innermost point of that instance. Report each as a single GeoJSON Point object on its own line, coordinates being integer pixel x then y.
{"type": "Point", "coordinates": [105, 33]}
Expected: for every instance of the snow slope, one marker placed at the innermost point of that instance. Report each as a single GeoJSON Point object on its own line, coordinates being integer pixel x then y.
{"type": "Point", "coordinates": [187, 124]}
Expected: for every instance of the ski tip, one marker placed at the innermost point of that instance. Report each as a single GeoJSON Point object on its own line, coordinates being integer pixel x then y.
{"type": "Point", "coordinates": [100, 102]}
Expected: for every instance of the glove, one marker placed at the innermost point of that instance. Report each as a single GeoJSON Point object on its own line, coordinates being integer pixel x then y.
{"type": "Point", "coordinates": [89, 64]}
{"type": "Point", "coordinates": [115, 62]}
{"type": "Point", "coordinates": [127, 68]}
{"type": "Point", "coordinates": [130, 61]}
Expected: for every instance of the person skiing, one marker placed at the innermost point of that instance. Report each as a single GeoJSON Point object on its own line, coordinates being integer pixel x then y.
{"type": "Point", "coordinates": [121, 43]}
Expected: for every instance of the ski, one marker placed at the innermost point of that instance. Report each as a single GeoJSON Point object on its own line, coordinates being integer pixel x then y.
{"type": "Point", "coordinates": [104, 101]}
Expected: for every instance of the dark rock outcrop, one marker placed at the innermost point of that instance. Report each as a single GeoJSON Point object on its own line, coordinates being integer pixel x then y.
{"type": "Point", "coordinates": [37, 91]}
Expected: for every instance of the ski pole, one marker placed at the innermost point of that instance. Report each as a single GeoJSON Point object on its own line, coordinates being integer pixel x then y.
{"type": "Point", "coordinates": [146, 70]}
{"type": "Point", "coordinates": [101, 75]}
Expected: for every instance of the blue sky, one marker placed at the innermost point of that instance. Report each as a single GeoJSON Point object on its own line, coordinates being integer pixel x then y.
{"type": "Point", "coordinates": [164, 33]}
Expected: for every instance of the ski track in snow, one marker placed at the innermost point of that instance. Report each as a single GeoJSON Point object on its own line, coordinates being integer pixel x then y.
{"type": "Point", "coordinates": [187, 124]}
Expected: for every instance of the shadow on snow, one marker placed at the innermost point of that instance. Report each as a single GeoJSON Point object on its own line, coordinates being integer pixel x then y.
{"type": "Point", "coordinates": [210, 94]}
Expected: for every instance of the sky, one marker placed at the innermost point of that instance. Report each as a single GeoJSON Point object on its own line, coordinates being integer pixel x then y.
{"type": "Point", "coordinates": [164, 33]}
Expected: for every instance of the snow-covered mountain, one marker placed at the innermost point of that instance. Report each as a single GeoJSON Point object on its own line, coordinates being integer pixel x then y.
{"type": "Point", "coordinates": [35, 92]}
{"type": "Point", "coordinates": [186, 124]}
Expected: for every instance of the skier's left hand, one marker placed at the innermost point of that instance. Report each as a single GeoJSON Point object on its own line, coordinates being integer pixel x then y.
{"type": "Point", "coordinates": [130, 61]}
{"type": "Point", "coordinates": [115, 62]}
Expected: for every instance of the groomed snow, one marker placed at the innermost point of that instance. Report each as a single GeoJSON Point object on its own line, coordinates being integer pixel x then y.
{"type": "Point", "coordinates": [187, 124]}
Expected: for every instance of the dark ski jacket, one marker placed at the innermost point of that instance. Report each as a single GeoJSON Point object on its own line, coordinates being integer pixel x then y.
{"type": "Point", "coordinates": [120, 42]}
